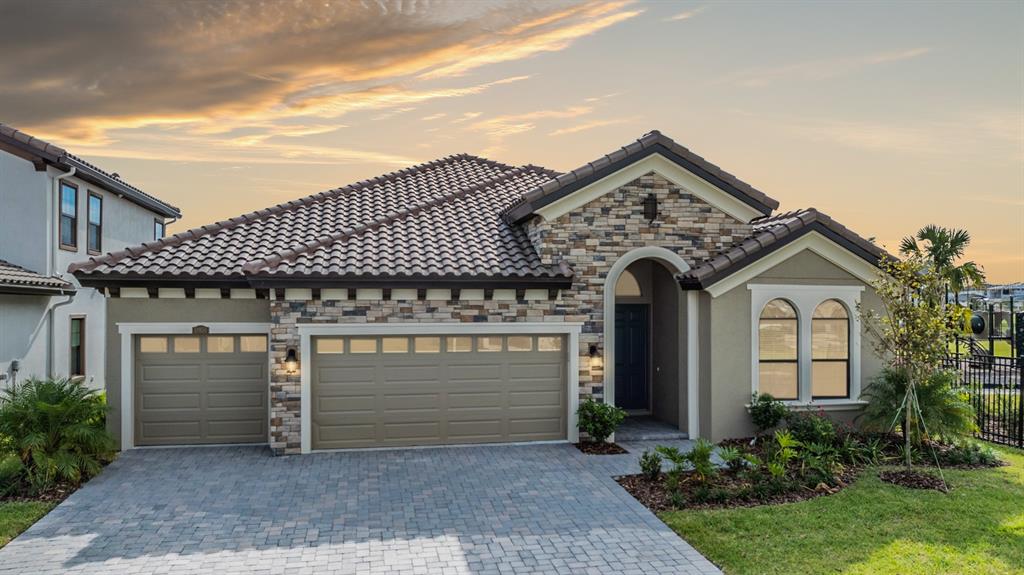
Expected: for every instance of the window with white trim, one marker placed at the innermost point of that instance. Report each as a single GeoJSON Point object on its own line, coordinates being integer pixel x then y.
{"type": "Point", "coordinates": [778, 353]}
{"type": "Point", "coordinates": [830, 351]}
{"type": "Point", "coordinates": [806, 342]}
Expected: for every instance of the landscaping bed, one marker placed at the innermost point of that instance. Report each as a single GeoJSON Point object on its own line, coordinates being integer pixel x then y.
{"type": "Point", "coordinates": [604, 448]}
{"type": "Point", "coordinates": [873, 527]}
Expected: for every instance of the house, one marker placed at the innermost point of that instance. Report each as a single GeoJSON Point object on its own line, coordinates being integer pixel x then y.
{"type": "Point", "coordinates": [55, 209]}
{"type": "Point", "coordinates": [468, 301]}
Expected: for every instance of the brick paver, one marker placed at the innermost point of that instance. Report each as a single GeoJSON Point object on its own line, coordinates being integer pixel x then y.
{"type": "Point", "coordinates": [480, 510]}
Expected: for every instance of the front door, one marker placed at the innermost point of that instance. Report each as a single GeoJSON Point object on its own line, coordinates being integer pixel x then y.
{"type": "Point", "coordinates": [632, 386]}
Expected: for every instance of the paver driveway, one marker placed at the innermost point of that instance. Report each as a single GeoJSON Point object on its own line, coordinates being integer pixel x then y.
{"type": "Point", "coordinates": [496, 509]}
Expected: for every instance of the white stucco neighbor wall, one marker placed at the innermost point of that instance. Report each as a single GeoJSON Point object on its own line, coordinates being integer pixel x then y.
{"type": "Point", "coordinates": [28, 237]}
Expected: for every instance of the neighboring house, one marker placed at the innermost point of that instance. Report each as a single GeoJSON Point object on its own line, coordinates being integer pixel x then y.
{"type": "Point", "coordinates": [56, 209]}
{"type": "Point", "coordinates": [467, 301]}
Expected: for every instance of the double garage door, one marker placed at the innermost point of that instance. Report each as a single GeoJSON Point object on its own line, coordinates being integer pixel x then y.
{"type": "Point", "coordinates": [437, 389]}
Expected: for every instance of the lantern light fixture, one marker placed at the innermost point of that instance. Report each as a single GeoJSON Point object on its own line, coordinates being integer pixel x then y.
{"type": "Point", "coordinates": [291, 361]}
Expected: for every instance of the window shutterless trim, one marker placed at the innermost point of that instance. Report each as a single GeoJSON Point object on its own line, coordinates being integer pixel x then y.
{"type": "Point", "coordinates": [81, 345]}
{"type": "Point", "coordinates": [89, 224]}
{"type": "Point", "coordinates": [73, 246]}
{"type": "Point", "coordinates": [163, 228]}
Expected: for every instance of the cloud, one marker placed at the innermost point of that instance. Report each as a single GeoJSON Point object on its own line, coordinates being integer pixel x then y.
{"type": "Point", "coordinates": [685, 15]}
{"type": "Point", "coordinates": [108, 65]}
{"type": "Point", "coordinates": [575, 128]}
{"type": "Point", "coordinates": [433, 117]}
{"type": "Point", "coordinates": [815, 70]}
{"type": "Point", "coordinates": [498, 128]}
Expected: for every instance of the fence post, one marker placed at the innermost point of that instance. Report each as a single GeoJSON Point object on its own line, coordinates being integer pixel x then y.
{"type": "Point", "coordinates": [1020, 402]}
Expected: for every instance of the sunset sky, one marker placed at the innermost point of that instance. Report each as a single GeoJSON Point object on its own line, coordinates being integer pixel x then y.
{"type": "Point", "coordinates": [885, 116]}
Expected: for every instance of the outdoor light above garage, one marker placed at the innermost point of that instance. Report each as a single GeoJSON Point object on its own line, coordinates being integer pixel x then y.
{"type": "Point", "coordinates": [291, 362]}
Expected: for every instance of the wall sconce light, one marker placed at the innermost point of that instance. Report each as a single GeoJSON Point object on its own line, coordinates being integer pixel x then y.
{"type": "Point", "coordinates": [291, 362]}
{"type": "Point", "coordinates": [651, 207]}
{"type": "Point", "coordinates": [595, 358]}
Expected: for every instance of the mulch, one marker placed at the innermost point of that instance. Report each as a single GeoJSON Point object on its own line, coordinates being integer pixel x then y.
{"type": "Point", "coordinates": [654, 496]}
{"type": "Point", "coordinates": [913, 479]}
{"type": "Point", "coordinates": [55, 495]}
{"type": "Point", "coordinates": [594, 448]}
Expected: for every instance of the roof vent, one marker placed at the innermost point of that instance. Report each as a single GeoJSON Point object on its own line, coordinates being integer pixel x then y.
{"type": "Point", "coordinates": [116, 176]}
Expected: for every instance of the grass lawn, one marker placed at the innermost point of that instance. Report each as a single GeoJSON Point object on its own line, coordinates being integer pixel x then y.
{"type": "Point", "coordinates": [17, 516]}
{"type": "Point", "coordinates": [874, 528]}
{"type": "Point", "coordinates": [1000, 346]}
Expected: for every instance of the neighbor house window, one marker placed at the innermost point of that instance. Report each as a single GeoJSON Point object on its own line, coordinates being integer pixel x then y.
{"type": "Point", "coordinates": [830, 351]}
{"type": "Point", "coordinates": [778, 357]}
{"type": "Point", "coordinates": [159, 229]}
{"type": "Point", "coordinates": [77, 366]}
{"type": "Point", "coordinates": [94, 234]}
{"type": "Point", "coordinates": [68, 216]}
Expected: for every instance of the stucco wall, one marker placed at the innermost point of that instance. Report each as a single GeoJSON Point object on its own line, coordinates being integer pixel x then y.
{"type": "Point", "coordinates": [23, 324]}
{"type": "Point", "coordinates": [199, 311]}
{"type": "Point", "coordinates": [728, 354]}
{"type": "Point", "coordinates": [22, 213]}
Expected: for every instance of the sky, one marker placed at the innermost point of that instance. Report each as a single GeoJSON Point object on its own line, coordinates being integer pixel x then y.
{"type": "Point", "coordinates": [886, 116]}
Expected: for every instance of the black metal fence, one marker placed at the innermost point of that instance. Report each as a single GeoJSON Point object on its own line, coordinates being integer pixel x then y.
{"type": "Point", "coordinates": [996, 389]}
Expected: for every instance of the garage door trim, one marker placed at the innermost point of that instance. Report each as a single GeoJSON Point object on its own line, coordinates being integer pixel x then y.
{"type": "Point", "coordinates": [307, 332]}
{"type": "Point", "coordinates": [128, 331]}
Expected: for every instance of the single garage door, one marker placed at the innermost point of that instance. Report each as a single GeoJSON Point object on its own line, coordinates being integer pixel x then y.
{"type": "Point", "coordinates": [200, 389]}
{"type": "Point", "coordinates": [432, 390]}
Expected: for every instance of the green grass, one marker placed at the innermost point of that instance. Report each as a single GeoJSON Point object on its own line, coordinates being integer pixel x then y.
{"type": "Point", "coordinates": [874, 528]}
{"type": "Point", "coordinates": [17, 516]}
{"type": "Point", "coordinates": [1000, 346]}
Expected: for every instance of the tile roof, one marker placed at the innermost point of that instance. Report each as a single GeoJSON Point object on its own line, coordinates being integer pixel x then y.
{"type": "Point", "coordinates": [318, 229]}
{"type": "Point", "coordinates": [651, 142]}
{"type": "Point", "coordinates": [16, 279]}
{"type": "Point", "coordinates": [771, 233]}
{"type": "Point", "coordinates": [445, 220]}
{"type": "Point", "coordinates": [59, 156]}
{"type": "Point", "coordinates": [457, 235]}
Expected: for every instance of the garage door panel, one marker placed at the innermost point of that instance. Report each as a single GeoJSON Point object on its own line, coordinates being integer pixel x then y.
{"type": "Point", "coordinates": [234, 429]}
{"type": "Point", "coordinates": [409, 374]}
{"type": "Point", "coordinates": [536, 371]}
{"type": "Point", "coordinates": [407, 401]}
{"type": "Point", "coordinates": [201, 397]}
{"type": "Point", "coordinates": [350, 434]}
{"type": "Point", "coordinates": [171, 401]}
{"type": "Point", "coordinates": [348, 375]}
{"type": "Point", "coordinates": [235, 400]}
{"type": "Point", "coordinates": [538, 399]}
{"type": "Point", "coordinates": [476, 431]}
{"type": "Point", "coordinates": [236, 372]}
{"type": "Point", "coordinates": [171, 372]}
{"type": "Point", "coordinates": [460, 396]}
{"type": "Point", "coordinates": [422, 430]}
{"type": "Point", "coordinates": [458, 400]}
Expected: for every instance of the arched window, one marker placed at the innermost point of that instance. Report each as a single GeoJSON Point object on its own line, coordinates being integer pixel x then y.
{"type": "Point", "coordinates": [830, 355]}
{"type": "Point", "coordinates": [627, 285]}
{"type": "Point", "coordinates": [777, 354]}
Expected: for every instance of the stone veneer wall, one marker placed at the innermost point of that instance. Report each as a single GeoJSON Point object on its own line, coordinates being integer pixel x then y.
{"type": "Point", "coordinates": [590, 239]}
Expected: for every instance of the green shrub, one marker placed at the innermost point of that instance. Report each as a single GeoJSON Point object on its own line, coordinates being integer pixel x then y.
{"type": "Point", "coordinates": [819, 463]}
{"type": "Point", "coordinates": [946, 411]}
{"type": "Point", "coordinates": [599, 420]}
{"type": "Point", "coordinates": [970, 453]}
{"type": "Point", "coordinates": [699, 458]}
{"type": "Point", "coordinates": [808, 427]}
{"type": "Point", "coordinates": [55, 434]}
{"type": "Point", "coordinates": [783, 450]}
{"type": "Point", "coordinates": [678, 459]}
{"type": "Point", "coordinates": [650, 465]}
{"type": "Point", "coordinates": [732, 457]}
{"type": "Point", "coordinates": [766, 412]}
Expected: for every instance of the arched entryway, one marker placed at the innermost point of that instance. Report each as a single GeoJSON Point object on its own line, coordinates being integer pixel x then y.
{"type": "Point", "coordinates": [647, 339]}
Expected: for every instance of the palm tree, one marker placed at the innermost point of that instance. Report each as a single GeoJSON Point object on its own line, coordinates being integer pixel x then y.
{"type": "Point", "coordinates": [943, 247]}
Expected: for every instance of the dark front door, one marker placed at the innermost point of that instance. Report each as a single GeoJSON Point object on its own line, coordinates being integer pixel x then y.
{"type": "Point", "coordinates": [632, 387]}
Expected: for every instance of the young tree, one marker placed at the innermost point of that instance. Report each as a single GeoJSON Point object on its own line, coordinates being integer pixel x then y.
{"type": "Point", "coordinates": [912, 330]}
{"type": "Point", "coordinates": [943, 247]}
